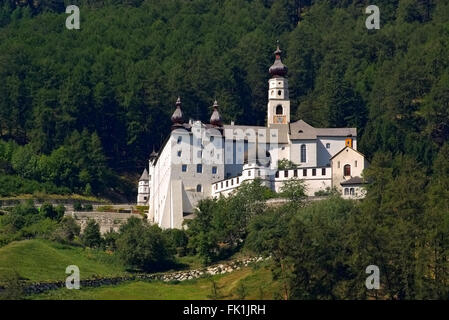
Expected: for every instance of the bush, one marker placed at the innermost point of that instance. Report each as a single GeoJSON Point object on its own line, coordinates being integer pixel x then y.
{"type": "Point", "coordinates": [110, 240]}
{"type": "Point", "coordinates": [91, 236]}
{"type": "Point", "coordinates": [67, 231]}
{"type": "Point", "coordinates": [88, 207]}
{"type": "Point", "coordinates": [142, 246]}
{"type": "Point", "coordinates": [176, 240]}
{"type": "Point", "coordinates": [77, 206]}
{"type": "Point", "coordinates": [48, 211]}
{"type": "Point", "coordinates": [43, 228]}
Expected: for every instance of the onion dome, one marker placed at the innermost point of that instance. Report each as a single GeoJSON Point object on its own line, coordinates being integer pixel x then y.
{"type": "Point", "coordinates": [215, 119]}
{"type": "Point", "coordinates": [177, 117]}
{"type": "Point", "coordinates": [278, 69]}
{"type": "Point", "coordinates": [153, 154]}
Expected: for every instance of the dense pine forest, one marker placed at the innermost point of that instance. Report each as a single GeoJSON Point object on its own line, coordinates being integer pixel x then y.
{"type": "Point", "coordinates": [81, 109]}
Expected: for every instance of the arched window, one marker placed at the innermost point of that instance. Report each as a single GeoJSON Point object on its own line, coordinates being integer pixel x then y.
{"type": "Point", "coordinates": [303, 153]}
{"type": "Point", "coordinates": [351, 191]}
{"type": "Point", "coordinates": [347, 170]}
{"type": "Point", "coordinates": [279, 109]}
{"type": "Point", "coordinates": [199, 188]}
{"type": "Point", "coordinates": [346, 191]}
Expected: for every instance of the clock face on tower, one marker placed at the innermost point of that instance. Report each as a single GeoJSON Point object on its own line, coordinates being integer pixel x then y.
{"type": "Point", "coordinates": [279, 119]}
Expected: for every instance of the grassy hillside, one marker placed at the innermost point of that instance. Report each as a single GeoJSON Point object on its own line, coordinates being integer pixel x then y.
{"type": "Point", "coordinates": [258, 284]}
{"type": "Point", "coordinates": [40, 260]}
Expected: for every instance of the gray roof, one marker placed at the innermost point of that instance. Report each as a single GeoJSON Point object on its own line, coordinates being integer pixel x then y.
{"type": "Point", "coordinates": [144, 176]}
{"type": "Point", "coordinates": [302, 130]}
{"type": "Point", "coordinates": [259, 130]}
{"type": "Point", "coordinates": [353, 180]}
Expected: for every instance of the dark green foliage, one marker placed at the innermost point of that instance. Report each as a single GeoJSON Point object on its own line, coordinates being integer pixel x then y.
{"type": "Point", "coordinates": [91, 236]}
{"type": "Point", "coordinates": [95, 108]}
{"type": "Point", "coordinates": [77, 206]}
{"type": "Point", "coordinates": [321, 250]}
{"type": "Point", "coordinates": [220, 226]}
{"type": "Point", "coordinates": [143, 247]}
{"type": "Point", "coordinates": [285, 164]}
{"type": "Point", "coordinates": [176, 240]}
{"type": "Point", "coordinates": [67, 230]}
{"type": "Point", "coordinates": [294, 190]}
{"type": "Point", "coordinates": [110, 240]}
{"type": "Point", "coordinates": [48, 211]}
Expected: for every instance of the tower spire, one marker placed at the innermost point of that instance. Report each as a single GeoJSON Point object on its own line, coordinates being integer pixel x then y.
{"type": "Point", "coordinates": [278, 69]}
{"type": "Point", "coordinates": [215, 119]}
{"type": "Point", "coordinates": [177, 117]}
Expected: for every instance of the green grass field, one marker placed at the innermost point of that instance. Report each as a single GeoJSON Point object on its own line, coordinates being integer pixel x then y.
{"type": "Point", "coordinates": [257, 283]}
{"type": "Point", "coordinates": [41, 260]}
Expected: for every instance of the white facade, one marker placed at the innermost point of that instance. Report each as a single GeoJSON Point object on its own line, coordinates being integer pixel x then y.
{"type": "Point", "coordinates": [200, 160]}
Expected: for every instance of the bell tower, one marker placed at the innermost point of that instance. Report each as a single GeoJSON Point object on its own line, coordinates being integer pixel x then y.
{"type": "Point", "coordinates": [278, 97]}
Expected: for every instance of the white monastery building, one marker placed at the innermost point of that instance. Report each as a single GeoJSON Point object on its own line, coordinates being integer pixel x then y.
{"type": "Point", "coordinates": [200, 160]}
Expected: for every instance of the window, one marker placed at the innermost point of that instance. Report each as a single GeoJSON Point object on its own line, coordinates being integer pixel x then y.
{"type": "Point", "coordinates": [295, 173]}
{"type": "Point", "coordinates": [144, 198]}
{"type": "Point", "coordinates": [347, 170]}
{"type": "Point", "coordinates": [279, 109]}
{"type": "Point", "coordinates": [286, 173]}
{"type": "Point", "coordinates": [304, 172]}
{"type": "Point", "coordinates": [226, 184]}
{"type": "Point", "coordinates": [249, 173]}
{"type": "Point", "coordinates": [212, 139]}
{"type": "Point", "coordinates": [313, 172]}
{"type": "Point", "coordinates": [338, 163]}
{"type": "Point", "coordinates": [199, 154]}
{"type": "Point", "coordinates": [184, 168]}
{"type": "Point", "coordinates": [199, 188]}
{"type": "Point", "coordinates": [199, 168]}
{"type": "Point", "coordinates": [221, 184]}
{"type": "Point", "coordinates": [179, 153]}
{"type": "Point", "coordinates": [355, 163]}
{"type": "Point", "coordinates": [258, 173]}
{"type": "Point", "coordinates": [237, 180]}
{"type": "Point", "coordinates": [351, 191]}
{"type": "Point", "coordinates": [179, 139]}
{"type": "Point", "coordinates": [214, 170]}
{"type": "Point", "coordinates": [279, 92]}
{"type": "Point", "coordinates": [346, 191]}
{"type": "Point", "coordinates": [277, 174]}
{"type": "Point", "coordinates": [215, 187]}
{"type": "Point", "coordinates": [303, 153]}
{"type": "Point", "coordinates": [328, 145]}
{"type": "Point", "coordinates": [323, 171]}
{"type": "Point", "coordinates": [232, 182]}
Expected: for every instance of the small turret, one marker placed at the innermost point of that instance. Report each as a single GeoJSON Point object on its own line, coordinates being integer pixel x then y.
{"type": "Point", "coordinates": [215, 119]}
{"type": "Point", "coordinates": [177, 117]}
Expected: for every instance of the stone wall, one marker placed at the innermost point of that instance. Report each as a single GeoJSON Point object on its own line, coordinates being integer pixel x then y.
{"type": "Point", "coordinates": [106, 220]}
{"type": "Point", "coordinates": [40, 287]}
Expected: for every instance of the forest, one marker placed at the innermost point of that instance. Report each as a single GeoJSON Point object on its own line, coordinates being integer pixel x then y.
{"type": "Point", "coordinates": [81, 110]}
